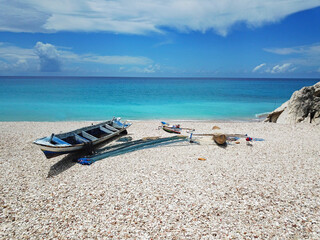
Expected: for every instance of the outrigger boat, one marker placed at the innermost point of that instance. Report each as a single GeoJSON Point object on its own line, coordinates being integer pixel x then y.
{"type": "Point", "coordinates": [82, 138]}
{"type": "Point", "coordinates": [173, 128]}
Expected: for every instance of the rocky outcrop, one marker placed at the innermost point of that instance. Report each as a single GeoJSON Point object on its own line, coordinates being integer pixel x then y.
{"type": "Point", "coordinates": [303, 106]}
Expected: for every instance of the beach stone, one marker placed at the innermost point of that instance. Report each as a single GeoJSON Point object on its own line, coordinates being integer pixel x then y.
{"type": "Point", "coordinates": [273, 116]}
{"type": "Point", "coordinates": [215, 128]}
{"type": "Point", "coordinates": [303, 106]}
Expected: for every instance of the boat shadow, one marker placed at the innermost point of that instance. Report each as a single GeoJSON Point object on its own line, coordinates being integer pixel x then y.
{"type": "Point", "coordinates": [71, 159]}
{"type": "Point", "coordinates": [224, 145]}
{"type": "Point", "coordinates": [64, 164]}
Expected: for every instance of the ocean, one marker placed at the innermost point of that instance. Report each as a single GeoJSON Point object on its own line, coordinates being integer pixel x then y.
{"type": "Point", "coordinates": [99, 98]}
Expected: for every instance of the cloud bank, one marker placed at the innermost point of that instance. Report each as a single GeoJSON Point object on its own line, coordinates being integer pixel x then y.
{"type": "Point", "coordinates": [143, 16]}
{"type": "Point", "coordinates": [276, 69]}
{"type": "Point", "coordinates": [15, 59]}
{"type": "Point", "coordinates": [286, 67]}
{"type": "Point", "coordinates": [45, 57]}
{"type": "Point", "coordinates": [307, 56]}
{"type": "Point", "coordinates": [313, 49]}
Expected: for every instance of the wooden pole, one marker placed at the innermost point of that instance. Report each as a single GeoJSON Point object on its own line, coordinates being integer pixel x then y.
{"type": "Point", "coordinates": [215, 134]}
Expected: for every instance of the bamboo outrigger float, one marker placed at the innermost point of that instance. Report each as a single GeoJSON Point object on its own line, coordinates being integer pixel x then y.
{"type": "Point", "coordinates": [119, 149]}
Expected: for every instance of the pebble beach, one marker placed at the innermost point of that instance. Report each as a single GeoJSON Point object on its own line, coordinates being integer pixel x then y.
{"type": "Point", "coordinates": [266, 190]}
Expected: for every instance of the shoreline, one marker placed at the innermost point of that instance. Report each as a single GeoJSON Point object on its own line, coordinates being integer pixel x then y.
{"type": "Point", "coordinates": [269, 189]}
{"type": "Point", "coordinates": [231, 120]}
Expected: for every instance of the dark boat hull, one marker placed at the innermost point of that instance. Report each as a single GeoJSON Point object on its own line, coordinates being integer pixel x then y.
{"type": "Point", "coordinates": [172, 130]}
{"type": "Point", "coordinates": [83, 139]}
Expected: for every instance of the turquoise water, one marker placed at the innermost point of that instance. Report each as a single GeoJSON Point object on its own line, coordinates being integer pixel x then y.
{"type": "Point", "coordinates": [92, 98]}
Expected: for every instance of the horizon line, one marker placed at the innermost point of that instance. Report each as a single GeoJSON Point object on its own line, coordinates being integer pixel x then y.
{"type": "Point", "coordinates": [153, 77]}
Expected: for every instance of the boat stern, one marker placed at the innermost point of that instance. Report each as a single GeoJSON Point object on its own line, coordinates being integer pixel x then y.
{"type": "Point", "coordinates": [54, 149]}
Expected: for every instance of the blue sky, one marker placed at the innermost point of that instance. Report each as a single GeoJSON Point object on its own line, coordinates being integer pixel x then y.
{"type": "Point", "coordinates": [178, 38]}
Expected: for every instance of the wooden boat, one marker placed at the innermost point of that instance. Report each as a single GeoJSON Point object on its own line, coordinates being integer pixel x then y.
{"type": "Point", "coordinates": [171, 128]}
{"type": "Point", "coordinates": [175, 130]}
{"type": "Point", "coordinates": [81, 139]}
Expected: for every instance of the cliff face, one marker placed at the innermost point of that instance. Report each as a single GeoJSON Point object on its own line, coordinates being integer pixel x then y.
{"type": "Point", "coordinates": [303, 106]}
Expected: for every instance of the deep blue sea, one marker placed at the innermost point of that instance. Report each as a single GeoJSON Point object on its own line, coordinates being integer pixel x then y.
{"type": "Point", "coordinates": [98, 98]}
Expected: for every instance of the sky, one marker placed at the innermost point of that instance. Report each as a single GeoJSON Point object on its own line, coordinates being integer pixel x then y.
{"type": "Point", "coordinates": [160, 38]}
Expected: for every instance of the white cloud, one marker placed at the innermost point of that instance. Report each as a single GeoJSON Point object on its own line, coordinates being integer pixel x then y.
{"type": "Point", "coordinates": [167, 42]}
{"type": "Point", "coordinates": [49, 58]}
{"type": "Point", "coordinates": [283, 51]}
{"type": "Point", "coordinates": [276, 69]}
{"type": "Point", "coordinates": [282, 68]}
{"type": "Point", "coordinates": [15, 59]}
{"type": "Point", "coordinates": [10, 52]}
{"type": "Point", "coordinates": [143, 16]}
{"type": "Point", "coordinates": [306, 56]}
{"type": "Point", "coordinates": [22, 16]}
{"type": "Point", "coordinates": [313, 49]}
{"type": "Point", "coordinates": [151, 68]}
{"type": "Point", "coordinates": [116, 60]}
{"type": "Point", "coordinates": [259, 67]}
{"type": "Point", "coordinates": [148, 69]}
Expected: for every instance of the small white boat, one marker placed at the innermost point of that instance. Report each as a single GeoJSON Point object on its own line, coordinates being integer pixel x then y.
{"type": "Point", "coordinates": [81, 139]}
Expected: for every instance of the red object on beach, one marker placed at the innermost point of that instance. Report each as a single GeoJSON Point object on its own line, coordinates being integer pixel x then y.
{"type": "Point", "coordinates": [248, 139]}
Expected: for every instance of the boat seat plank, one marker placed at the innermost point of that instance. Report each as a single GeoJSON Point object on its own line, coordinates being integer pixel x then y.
{"type": "Point", "coordinates": [89, 136]}
{"type": "Point", "coordinates": [81, 139]}
{"type": "Point", "coordinates": [59, 141]}
{"type": "Point", "coordinates": [110, 128]}
{"type": "Point", "coordinates": [103, 129]}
